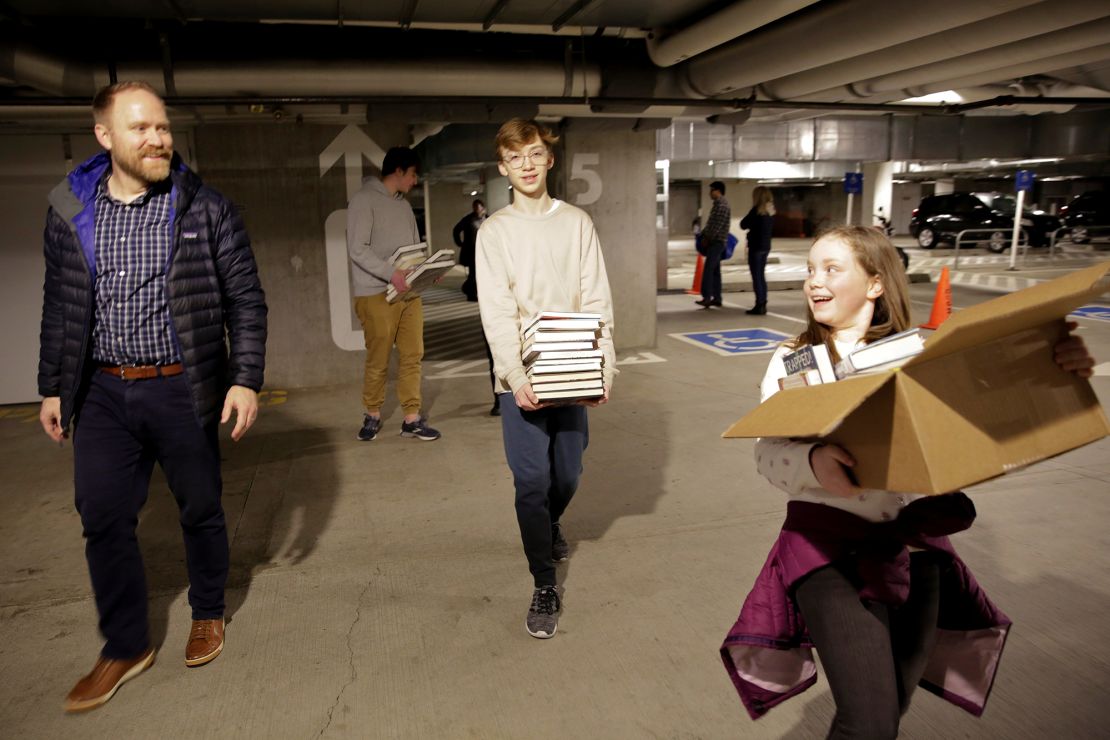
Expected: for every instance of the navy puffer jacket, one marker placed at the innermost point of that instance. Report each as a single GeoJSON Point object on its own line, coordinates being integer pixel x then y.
{"type": "Point", "coordinates": [212, 288]}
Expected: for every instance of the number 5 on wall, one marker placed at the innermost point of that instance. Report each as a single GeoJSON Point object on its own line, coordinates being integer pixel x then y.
{"type": "Point", "coordinates": [579, 171]}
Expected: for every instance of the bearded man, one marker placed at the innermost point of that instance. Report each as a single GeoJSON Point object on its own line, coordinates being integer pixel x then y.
{"type": "Point", "coordinates": [153, 333]}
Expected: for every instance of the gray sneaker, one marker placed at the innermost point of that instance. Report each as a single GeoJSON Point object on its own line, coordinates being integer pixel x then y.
{"type": "Point", "coordinates": [543, 615]}
{"type": "Point", "coordinates": [560, 549]}
{"type": "Point", "coordinates": [419, 429]}
{"type": "Point", "coordinates": [370, 427]}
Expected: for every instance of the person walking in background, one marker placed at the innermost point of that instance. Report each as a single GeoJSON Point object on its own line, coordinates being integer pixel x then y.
{"type": "Point", "coordinates": [759, 224]}
{"type": "Point", "coordinates": [713, 238]}
{"type": "Point", "coordinates": [539, 254]}
{"type": "Point", "coordinates": [379, 220]}
{"type": "Point", "coordinates": [465, 235]}
{"type": "Point", "coordinates": [153, 273]}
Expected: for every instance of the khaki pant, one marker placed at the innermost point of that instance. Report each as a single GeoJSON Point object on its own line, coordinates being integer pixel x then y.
{"type": "Point", "coordinates": [384, 325]}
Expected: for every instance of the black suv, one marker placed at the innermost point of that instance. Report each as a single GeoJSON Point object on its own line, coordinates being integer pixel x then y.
{"type": "Point", "coordinates": [941, 217]}
{"type": "Point", "coordinates": [1090, 209]}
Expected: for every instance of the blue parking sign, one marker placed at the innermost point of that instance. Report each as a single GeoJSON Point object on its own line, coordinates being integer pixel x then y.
{"type": "Point", "coordinates": [853, 183]}
{"type": "Point", "coordinates": [1098, 313]}
{"type": "Point", "coordinates": [732, 342]}
{"type": "Point", "coordinates": [1024, 180]}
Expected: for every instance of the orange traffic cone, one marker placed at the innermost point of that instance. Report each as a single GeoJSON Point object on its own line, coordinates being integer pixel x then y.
{"type": "Point", "coordinates": [942, 303]}
{"type": "Point", "coordinates": [696, 289]}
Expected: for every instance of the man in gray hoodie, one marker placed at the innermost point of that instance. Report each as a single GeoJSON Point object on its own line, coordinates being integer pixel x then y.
{"type": "Point", "coordinates": [379, 220]}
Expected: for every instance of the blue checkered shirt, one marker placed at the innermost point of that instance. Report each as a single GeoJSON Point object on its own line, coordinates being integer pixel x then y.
{"type": "Point", "coordinates": [720, 217]}
{"type": "Point", "coordinates": [132, 255]}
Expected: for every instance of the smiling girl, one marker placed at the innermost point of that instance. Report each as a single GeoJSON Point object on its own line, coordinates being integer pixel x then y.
{"type": "Point", "coordinates": [868, 578]}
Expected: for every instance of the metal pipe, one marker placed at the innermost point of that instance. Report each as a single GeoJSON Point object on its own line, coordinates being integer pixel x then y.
{"type": "Point", "coordinates": [733, 104]}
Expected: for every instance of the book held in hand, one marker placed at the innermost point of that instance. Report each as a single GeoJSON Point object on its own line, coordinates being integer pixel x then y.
{"type": "Point", "coordinates": [884, 354]}
{"type": "Point", "coordinates": [409, 255]}
{"type": "Point", "coordinates": [808, 365]}
{"type": "Point", "coordinates": [562, 320]}
{"type": "Point", "coordinates": [422, 274]}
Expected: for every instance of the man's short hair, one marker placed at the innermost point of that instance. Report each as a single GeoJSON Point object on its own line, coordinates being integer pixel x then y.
{"type": "Point", "coordinates": [399, 158]}
{"type": "Point", "coordinates": [718, 186]}
{"type": "Point", "coordinates": [478, 202]}
{"type": "Point", "coordinates": [518, 132]}
{"type": "Point", "coordinates": [106, 96]}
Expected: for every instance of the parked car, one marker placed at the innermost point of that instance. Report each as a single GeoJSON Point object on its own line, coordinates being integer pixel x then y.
{"type": "Point", "coordinates": [941, 217]}
{"type": "Point", "coordinates": [1089, 209]}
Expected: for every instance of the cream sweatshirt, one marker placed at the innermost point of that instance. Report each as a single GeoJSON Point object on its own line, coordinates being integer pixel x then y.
{"type": "Point", "coordinates": [531, 263]}
{"type": "Point", "coordinates": [785, 462]}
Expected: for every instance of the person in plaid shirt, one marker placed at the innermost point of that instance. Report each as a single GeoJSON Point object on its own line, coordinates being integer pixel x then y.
{"type": "Point", "coordinates": [713, 238]}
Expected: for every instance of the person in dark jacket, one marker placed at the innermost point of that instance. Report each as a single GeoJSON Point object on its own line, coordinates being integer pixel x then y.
{"type": "Point", "coordinates": [759, 223]}
{"type": "Point", "coordinates": [465, 235]}
{"type": "Point", "coordinates": [714, 238]}
{"type": "Point", "coordinates": [153, 333]}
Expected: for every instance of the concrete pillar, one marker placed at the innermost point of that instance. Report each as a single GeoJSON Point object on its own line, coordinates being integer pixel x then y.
{"type": "Point", "coordinates": [291, 186]}
{"type": "Point", "coordinates": [878, 191]}
{"type": "Point", "coordinates": [944, 187]}
{"type": "Point", "coordinates": [497, 194]}
{"type": "Point", "coordinates": [611, 175]}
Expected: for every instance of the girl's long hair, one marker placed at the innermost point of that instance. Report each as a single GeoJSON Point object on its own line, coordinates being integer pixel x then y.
{"type": "Point", "coordinates": [762, 201]}
{"type": "Point", "coordinates": [878, 258]}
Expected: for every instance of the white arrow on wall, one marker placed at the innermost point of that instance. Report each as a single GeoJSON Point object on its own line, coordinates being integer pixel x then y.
{"type": "Point", "coordinates": [351, 145]}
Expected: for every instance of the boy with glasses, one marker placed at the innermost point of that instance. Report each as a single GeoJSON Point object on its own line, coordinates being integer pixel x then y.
{"type": "Point", "coordinates": [539, 254]}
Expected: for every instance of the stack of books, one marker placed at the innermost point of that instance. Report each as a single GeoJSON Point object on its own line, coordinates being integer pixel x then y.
{"type": "Point", "coordinates": [424, 269]}
{"type": "Point", "coordinates": [561, 356]}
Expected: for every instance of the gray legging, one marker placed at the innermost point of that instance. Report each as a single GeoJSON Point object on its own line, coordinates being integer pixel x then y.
{"type": "Point", "coordinates": [873, 655]}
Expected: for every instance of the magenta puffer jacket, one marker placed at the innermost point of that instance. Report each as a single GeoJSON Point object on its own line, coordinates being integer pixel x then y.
{"type": "Point", "coordinates": [768, 653]}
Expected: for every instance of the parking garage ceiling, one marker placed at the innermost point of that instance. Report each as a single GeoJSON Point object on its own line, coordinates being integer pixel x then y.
{"type": "Point", "coordinates": [651, 60]}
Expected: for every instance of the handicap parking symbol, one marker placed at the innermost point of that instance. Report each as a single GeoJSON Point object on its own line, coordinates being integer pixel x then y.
{"type": "Point", "coordinates": [1098, 313]}
{"type": "Point", "coordinates": [732, 342]}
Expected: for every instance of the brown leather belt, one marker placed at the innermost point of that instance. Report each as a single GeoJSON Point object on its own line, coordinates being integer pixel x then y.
{"type": "Point", "coordinates": [143, 372]}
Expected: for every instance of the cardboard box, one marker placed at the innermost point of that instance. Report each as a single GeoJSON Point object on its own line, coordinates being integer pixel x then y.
{"type": "Point", "coordinates": [985, 397]}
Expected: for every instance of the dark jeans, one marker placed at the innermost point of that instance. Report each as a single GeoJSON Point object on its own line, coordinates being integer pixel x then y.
{"type": "Point", "coordinates": [122, 429]}
{"type": "Point", "coordinates": [544, 449]}
{"type": "Point", "coordinates": [492, 378]}
{"type": "Point", "coordinates": [757, 264]}
{"type": "Point", "coordinates": [711, 273]}
{"type": "Point", "coordinates": [873, 655]}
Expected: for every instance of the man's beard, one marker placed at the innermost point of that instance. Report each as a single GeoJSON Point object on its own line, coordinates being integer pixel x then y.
{"type": "Point", "coordinates": [148, 171]}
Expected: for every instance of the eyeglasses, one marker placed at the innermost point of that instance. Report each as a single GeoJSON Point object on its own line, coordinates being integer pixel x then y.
{"type": "Point", "coordinates": [538, 157]}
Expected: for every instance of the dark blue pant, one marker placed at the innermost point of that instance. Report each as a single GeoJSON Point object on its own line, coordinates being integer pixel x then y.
{"type": "Point", "coordinates": [711, 272]}
{"type": "Point", "coordinates": [757, 264]}
{"type": "Point", "coordinates": [873, 655]}
{"type": "Point", "coordinates": [544, 449]}
{"type": "Point", "coordinates": [122, 429]}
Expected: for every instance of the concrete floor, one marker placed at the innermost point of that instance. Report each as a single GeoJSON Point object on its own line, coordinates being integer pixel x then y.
{"type": "Point", "coordinates": [378, 589]}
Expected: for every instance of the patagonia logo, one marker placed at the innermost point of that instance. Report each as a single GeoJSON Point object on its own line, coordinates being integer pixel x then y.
{"type": "Point", "coordinates": [189, 235]}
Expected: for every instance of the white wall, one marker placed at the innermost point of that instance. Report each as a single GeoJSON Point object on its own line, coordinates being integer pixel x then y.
{"type": "Point", "coordinates": [31, 167]}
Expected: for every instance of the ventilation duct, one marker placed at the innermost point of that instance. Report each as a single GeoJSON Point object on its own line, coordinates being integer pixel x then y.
{"type": "Point", "coordinates": [828, 33]}
{"type": "Point", "coordinates": [719, 28]}
{"type": "Point", "coordinates": [1025, 23]}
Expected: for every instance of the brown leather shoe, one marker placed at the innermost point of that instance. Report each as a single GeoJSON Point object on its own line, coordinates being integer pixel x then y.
{"type": "Point", "coordinates": [104, 680]}
{"type": "Point", "coordinates": [206, 640]}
